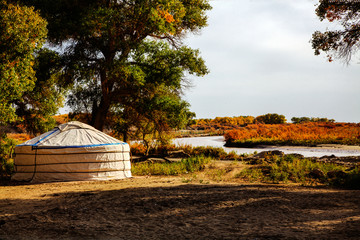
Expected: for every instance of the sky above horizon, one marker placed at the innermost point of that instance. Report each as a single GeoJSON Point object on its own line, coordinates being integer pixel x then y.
{"type": "Point", "coordinates": [261, 61]}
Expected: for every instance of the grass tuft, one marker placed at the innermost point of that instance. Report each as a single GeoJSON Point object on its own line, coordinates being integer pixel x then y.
{"type": "Point", "coordinates": [305, 171]}
{"type": "Point", "coordinates": [188, 165]}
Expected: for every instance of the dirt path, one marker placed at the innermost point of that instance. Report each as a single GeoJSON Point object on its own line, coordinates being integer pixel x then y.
{"type": "Point", "coordinates": [168, 208]}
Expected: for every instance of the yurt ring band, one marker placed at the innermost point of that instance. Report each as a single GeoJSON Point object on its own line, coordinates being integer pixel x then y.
{"type": "Point", "coordinates": [81, 153]}
{"type": "Point", "coordinates": [79, 172]}
{"type": "Point", "coordinates": [45, 164]}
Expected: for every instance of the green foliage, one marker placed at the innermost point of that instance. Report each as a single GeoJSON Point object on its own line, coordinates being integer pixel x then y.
{"type": "Point", "coordinates": [113, 65]}
{"type": "Point", "coordinates": [289, 168]}
{"type": "Point", "coordinates": [22, 31]}
{"type": "Point", "coordinates": [6, 162]}
{"type": "Point", "coordinates": [352, 179]}
{"type": "Point", "coordinates": [216, 174]}
{"type": "Point", "coordinates": [146, 168]}
{"type": "Point", "coordinates": [36, 107]}
{"type": "Point", "coordinates": [196, 163]}
{"type": "Point", "coordinates": [221, 123]}
{"type": "Point", "coordinates": [188, 165]}
{"type": "Point", "coordinates": [298, 120]}
{"type": "Point", "coordinates": [271, 118]}
{"type": "Point", "coordinates": [251, 174]}
{"type": "Point", "coordinates": [211, 152]}
{"type": "Point", "coordinates": [293, 169]}
{"type": "Point", "coordinates": [214, 152]}
{"type": "Point", "coordinates": [156, 106]}
{"type": "Point", "coordinates": [346, 179]}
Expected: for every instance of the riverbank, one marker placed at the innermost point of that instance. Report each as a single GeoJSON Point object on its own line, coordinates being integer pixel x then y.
{"type": "Point", "coordinates": [318, 151]}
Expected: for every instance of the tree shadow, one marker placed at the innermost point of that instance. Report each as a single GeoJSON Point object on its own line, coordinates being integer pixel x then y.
{"type": "Point", "coordinates": [188, 212]}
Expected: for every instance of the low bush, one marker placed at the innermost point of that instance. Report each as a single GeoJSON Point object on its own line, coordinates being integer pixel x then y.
{"type": "Point", "coordinates": [137, 149]}
{"type": "Point", "coordinates": [188, 165]}
{"type": "Point", "coordinates": [251, 174]}
{"type": "Point", "coordinates": [213, 152]}
{"type": "Point", "coordinates": [346, 179]}
{"type": "Point", "coordinates": [296, 170]}
{"type": "Point", "coordinates": [6, 159]}
{"type": "Point", "coordinates": [305, 171]}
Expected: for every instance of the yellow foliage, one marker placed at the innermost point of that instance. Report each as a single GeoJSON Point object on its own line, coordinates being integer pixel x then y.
{"type": "Point", "coordinates": [166, 15]}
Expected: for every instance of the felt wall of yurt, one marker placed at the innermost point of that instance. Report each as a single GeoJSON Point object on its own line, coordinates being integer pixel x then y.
{"type": "Point", "coordinates": [72, 151]}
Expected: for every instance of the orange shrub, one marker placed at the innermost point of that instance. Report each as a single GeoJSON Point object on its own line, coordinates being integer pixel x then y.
{"type": "Point", "coordinates": [344, 133]}
{"type": "Point", "coordinates": [137, 149]}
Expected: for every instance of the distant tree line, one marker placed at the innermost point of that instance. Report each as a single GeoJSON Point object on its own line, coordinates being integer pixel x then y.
{"type": "Point", "coordinates": [227, 123]}
{"type": "Point", "coordinates": [312, 119]}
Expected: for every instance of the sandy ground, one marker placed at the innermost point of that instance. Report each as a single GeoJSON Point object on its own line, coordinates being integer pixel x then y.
{"type": "Point", "coordinates": [326, 147]}
{"type": "Point", "coordinates": [339, 146]}
{"type": "Point", "coordinates": [184, 207]}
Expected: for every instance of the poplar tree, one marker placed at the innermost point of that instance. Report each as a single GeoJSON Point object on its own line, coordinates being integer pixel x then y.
{"type": "Point", "coordinates": [118, 53]}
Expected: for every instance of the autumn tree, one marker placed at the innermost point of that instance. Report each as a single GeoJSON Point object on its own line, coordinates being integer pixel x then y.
{"type": "Point", "coordinates": [343, 42]}
{"type": "Point", "coordinates": [104, 48]}
{"type": "Point", "coordinates": [271, 118]}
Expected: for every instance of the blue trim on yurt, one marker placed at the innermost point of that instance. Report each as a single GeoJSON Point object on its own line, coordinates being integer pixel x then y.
{"type": "Point", "coordinates": [80, 146]}
{"type": "Point", "coordinates": [40, 140]}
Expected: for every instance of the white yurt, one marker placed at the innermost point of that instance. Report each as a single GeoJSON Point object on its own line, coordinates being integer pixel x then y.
{"type": "Point", "coordinates": [70, 152]}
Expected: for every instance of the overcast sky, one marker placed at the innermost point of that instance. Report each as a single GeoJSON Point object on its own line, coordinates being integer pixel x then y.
{"type": "Point", "coordinates": [261, 61]}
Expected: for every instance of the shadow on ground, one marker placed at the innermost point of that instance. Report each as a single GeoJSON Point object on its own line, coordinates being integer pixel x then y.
{"type": "Point", "coordinates": [187, 212]}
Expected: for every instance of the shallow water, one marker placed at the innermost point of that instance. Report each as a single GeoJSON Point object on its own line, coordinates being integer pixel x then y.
{"type": "Point", "coordinates": [218, 141]}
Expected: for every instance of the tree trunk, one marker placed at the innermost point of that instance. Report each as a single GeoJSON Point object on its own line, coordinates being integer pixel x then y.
{"type": "Point", "coordinates": [100, 112]}
{"type": "Point", "coordinates": [99, 115]}
{"type": "Point", "coordinates": [125, 135]}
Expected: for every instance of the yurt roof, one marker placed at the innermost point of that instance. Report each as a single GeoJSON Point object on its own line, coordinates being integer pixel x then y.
{"type": "Point", "coordinates": [72, 135]}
